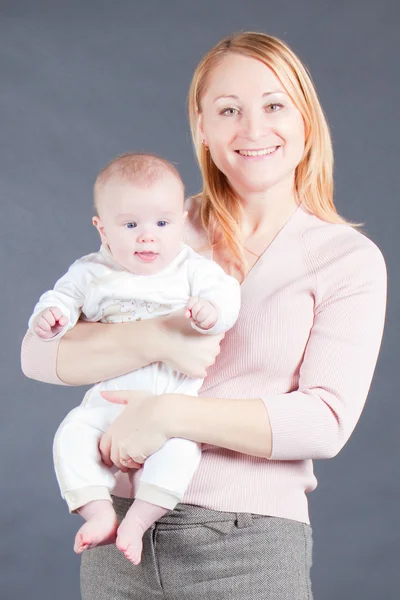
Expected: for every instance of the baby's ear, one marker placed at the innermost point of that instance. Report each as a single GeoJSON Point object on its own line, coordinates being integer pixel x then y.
{"type": "Point", "coordinates": [97, 222]}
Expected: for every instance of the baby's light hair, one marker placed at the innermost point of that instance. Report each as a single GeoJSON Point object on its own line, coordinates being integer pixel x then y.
{"type": "Point", "coordinates": [138, 168]}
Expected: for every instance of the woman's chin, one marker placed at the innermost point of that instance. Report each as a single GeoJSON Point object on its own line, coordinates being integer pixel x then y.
{"type": "Point", "coordinates": [251, 186]}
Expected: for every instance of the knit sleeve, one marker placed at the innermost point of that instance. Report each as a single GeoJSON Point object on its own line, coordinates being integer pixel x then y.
{"type": "Point", "coordinates": [316, 420]}
{"type": "Point", "coordinates": [39, 359]}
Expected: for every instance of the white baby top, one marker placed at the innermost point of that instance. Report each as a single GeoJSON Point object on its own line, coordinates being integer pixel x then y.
{"type": "Point", "coordinates": [96, 288]}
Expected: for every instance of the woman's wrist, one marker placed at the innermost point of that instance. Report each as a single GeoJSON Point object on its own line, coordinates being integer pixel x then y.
{"type": "Point", "coordinates": [171, 416]}
{"type": "Point", "coordinates": [241, 425]}
{"type": "Point", "coordinates": [178, 413]}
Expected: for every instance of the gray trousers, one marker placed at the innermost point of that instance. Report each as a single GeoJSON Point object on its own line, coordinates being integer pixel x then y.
{"type": "Point", "coordinates": [194, 553]}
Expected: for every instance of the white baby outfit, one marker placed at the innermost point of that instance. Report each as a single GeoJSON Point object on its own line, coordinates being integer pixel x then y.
{"type": "Point", "coordinates": [96, 288]}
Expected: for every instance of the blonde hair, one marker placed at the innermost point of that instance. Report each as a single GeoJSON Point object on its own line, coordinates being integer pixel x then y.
{"type": "Point", "coordinates": [220, 208]}
{"type": "Point", "coordinates": [134, 167]}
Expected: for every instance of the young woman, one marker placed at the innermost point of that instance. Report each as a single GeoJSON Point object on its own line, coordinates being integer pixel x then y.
{"type": "Point", "coordinates": [292, 375]}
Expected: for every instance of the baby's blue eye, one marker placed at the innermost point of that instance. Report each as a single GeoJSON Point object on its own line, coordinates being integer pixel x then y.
{"type": "Point", "coordinates": [161, 223]}
{"type": "Point", "coordinates": [130, 225]}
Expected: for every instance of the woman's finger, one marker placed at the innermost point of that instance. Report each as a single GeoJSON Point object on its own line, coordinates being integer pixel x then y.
{"type": "Point", "coordinates": [114, 397]}
{"type": "Point", "coordinates": [105, 449]}
{"type": "Point", "coordinates": [114, 455]}
{"type": "Point", "coordinates": [134, 448]}
{"type": "Point", "coordinates": [127, 460]}
{"type": "Point", "coordinates": [130, 464]}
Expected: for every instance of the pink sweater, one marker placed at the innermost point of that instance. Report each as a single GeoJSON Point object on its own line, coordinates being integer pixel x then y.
{"type": "Point", "coordinates": [306, 342]}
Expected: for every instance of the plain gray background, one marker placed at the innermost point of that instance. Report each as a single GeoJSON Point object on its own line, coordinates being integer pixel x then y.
{"type": "Point", "coordinates": [84, 81]}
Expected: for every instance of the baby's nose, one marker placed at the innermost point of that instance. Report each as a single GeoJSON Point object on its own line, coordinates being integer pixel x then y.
{"type": "Point", "coordinates": [146, 236]}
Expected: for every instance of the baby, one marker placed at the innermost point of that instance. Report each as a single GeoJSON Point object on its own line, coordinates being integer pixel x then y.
{"type": "Point", "coordinates": [142, 271]}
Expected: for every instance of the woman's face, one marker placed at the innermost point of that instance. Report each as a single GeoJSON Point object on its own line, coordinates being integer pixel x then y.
{"type": "Point", "coordinates": [254, 132]}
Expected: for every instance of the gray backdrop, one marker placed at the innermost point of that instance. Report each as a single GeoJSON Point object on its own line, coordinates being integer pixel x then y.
{"type": "Point", "coordinates": [84, 81]}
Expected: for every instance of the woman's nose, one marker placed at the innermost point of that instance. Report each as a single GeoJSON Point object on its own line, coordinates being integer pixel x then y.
{"type": "Point", "coordinates": [253, 125]}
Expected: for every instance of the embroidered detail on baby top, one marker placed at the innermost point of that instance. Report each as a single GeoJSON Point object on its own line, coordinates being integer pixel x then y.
{"type": "Point", "coordinates": [119, 310]}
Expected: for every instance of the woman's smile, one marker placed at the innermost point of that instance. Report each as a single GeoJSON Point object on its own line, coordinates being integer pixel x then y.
{"type": "Point", "coordinates": [259, 152]}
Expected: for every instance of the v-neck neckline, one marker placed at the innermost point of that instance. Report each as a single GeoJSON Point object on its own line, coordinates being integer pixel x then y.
{"type": "Point", "coordinates": [280, 233]}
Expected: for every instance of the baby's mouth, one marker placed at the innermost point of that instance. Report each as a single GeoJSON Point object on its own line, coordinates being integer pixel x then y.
{"type": "Point", "coordinates": [147, 256]}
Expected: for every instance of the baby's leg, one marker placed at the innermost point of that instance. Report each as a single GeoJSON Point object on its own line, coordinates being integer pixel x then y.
{"type": "Point", "coordinates": [100, 527]}
{"type": "Point", "coordinates": [168, 472]}
{"type": "Point", "coordinates": [166, 475]}
{"type": "Point", "coordinates": [85, 481]}
{"type": "Point", "coordinates": [77, 459]}
{"type": "Point", "coordinates": [137, 521]}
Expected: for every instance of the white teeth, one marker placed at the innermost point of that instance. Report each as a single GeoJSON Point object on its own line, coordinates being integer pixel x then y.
{"type": "Point", "coordinates": [257, 152]}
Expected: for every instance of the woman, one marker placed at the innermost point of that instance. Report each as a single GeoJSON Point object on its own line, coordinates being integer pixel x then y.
{"type": "Point", "coordinates": [293, 374]}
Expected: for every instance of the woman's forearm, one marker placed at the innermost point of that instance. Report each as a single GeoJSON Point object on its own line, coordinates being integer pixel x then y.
{"type": "Point", "coordinates": [92, 352]}
{"type": "Point", "coordinates": [239, 425]}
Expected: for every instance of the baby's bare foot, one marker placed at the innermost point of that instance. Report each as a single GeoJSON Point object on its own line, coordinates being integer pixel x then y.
{"type": "Point", "coordinates": [100, 527]}
{"type": "Point", "coordinates": [129, 540]}
{"type": "Point", "coordinates": [137, 521]}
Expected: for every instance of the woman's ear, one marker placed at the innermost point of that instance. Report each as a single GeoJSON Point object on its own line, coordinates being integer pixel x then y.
{"type": "Point", "coordinates": [97, 222]}
{"type": "Point", "coordinates": [202, 135]}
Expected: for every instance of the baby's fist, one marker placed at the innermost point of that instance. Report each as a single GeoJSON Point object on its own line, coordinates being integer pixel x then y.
{"type": "Point", "coordinates": [50, 323]}
{"type": "Point", "coordinates": [203, 314]}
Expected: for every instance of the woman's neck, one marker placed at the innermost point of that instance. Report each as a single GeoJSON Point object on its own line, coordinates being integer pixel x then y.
{"type": "Point", "coordinates": [266, 212]}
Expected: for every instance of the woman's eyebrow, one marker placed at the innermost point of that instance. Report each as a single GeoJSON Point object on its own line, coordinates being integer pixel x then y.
{"type": "Point", "coordinates": [226, 96]}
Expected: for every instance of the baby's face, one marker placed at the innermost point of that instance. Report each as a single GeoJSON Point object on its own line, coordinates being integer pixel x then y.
{"type": "Point", "coordinates": [142, 225]}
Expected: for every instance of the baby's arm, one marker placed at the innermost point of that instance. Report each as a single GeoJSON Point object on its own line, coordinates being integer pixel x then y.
{"type": "Point", "coordinates": [59, 309]}
{"type": "Point", "coordinates": [215, 302]}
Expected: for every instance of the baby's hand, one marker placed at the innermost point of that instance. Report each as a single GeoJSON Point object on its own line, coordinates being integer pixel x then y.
{"type": "Point", "coordinates": [202, 312]}
{"type": "Point", "coordinates": [50, 322]}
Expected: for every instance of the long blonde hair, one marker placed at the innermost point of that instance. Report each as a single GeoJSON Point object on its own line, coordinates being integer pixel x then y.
{"type": "Point", "coordinates": [221, 208]}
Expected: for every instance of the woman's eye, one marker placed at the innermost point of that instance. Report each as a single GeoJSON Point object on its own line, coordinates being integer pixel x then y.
{"type": "Point", "coordinates": [274, 107]}
{"type": "Point", "coordinates": [228, 112]}
{"type": "Point", "coordinates": [130, 225]}
{"type": "Point", "coordinates": [161, 223]}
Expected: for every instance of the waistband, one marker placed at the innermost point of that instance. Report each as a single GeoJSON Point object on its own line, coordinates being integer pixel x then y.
{"type": "Point", "coordinates": [188, 515]}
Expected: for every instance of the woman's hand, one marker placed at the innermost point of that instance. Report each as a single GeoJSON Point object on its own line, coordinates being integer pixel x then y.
{"type": "Point", "coordinates": [137, 433]}
{"type": "Point", "coordinates": [183, 348]}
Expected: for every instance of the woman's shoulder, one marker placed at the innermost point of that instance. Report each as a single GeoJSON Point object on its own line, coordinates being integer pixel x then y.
{"type": "Point", "coordinates": [339, 244]}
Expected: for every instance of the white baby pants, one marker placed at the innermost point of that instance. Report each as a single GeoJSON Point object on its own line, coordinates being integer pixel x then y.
{"type": "Point", "coordinates": [81, 474]}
